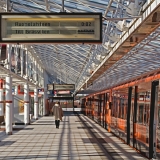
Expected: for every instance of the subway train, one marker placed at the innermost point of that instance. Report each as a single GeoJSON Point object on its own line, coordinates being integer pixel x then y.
{"type": "Point", "coordinates": [130, 111]}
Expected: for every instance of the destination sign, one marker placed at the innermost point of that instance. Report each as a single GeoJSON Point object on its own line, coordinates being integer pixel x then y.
{"type": "Point", "coordinates": [51, 27]}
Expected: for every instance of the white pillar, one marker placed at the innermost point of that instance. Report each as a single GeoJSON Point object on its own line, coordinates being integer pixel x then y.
{"type": "Point", "coordinates": [26, 63]}
{"type": "Point", "coordinates": [16, 90]}
{"type": "Point", "coordinates": [36, 103]}
{"type": "Point", "coordinates": [44, 102]}
{"type": "Point", "coordinates": [35, 71]}
{"type": "Point", "coordinates": [16, 58]}
{"type": "Point", "coordinates": [1, 98]}
{"type": "Point", "coordinates": [45, 96]}
{"type": "Point", "coordinates": [26, 104]}
{"type": "Point", "coordinates": [9, 105]}
{"type": "Point", "coordinates": [21, 57]}
{"type": "Point", "coordinates": [12, 110]}
{"type": "Point", "coordinates": [9, 47]}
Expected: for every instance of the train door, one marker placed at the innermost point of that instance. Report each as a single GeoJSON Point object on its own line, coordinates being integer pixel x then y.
{"type": "Point", "coordinates": [102, 110]}
{"type": "Point", "coordinates": [117, 111]}
{"type": "Point", "coordinates": [113, 115]}
{"type": "Point", "coordinates": [140, 115]}
{"type": "Point", "coordinates": [107, 113]}
{"type": "Point", "coordinates": [142, 123]}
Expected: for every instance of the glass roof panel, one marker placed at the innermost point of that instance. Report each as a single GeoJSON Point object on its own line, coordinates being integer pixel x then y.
{"type": "Point", "coordinates": [76, 59]}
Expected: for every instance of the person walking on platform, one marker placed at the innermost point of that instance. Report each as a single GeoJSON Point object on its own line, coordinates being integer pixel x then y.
{"type": "Point", "coordinates": [58, 113]}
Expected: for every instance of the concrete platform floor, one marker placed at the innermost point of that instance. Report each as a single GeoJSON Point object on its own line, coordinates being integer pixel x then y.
{"type": "Point", "coordinates": [78, 138]}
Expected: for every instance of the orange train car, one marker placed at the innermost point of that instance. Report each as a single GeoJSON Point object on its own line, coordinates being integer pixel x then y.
{"type": "Point", "coordinates": [110, 110]}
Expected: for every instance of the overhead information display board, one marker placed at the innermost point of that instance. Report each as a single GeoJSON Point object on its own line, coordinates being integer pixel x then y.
{"type": "Point", "coordinates": [50, 87]}
{"type": "Point", "coordinates": [64, 87]}
{"type": "Point", "coordinates": [51, 27]}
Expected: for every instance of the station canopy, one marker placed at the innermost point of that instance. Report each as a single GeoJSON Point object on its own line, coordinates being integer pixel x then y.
{"type": "Point", "coordinates": [75, 63]}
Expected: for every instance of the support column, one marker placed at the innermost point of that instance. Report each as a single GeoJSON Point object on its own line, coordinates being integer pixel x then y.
{"type": "Point", "coordinates": [73, 103]}
{"type": "Point", "coordinates": [35, 71]}
{"type": "Point", "coordinates": [62, 5]}
{"type": "Point", "coordinates": [129, 114]}
{"type": "Point", "coordinates": [26, 104]}
{"type": "Point", "coordinates": [16, 90]}
{"type": "Point", "coordinates": [36, 103]}
{"type": "Point", "coordinates": [21, 58]}
{"type": "Point", "coordinates": [135, 116]}
{"type": "Point", "coordinates": [110, 109]}
{"type": "Point", "coordinates": [1, 98]}
{"type": "Point", "coordinates": [44, 102]}
{"type": "Point", "coordinates": [9, 105]}
{"type": "Point", "coordinates": [153, 120]}
{"type": "Point", "coordinates": [100, 111]}
{"type": "Point", "coordinates": [110, 99]}
{"type": "Point", "coordinates": [16, 58]}
{"type": "Point", "coordinates": [45, 96]}
{"type": "Point", "coordinates": [104, 108]}
{"type": "Point", "coordinates": [9, 48]}
{"type": "Point", "coordinates": [26, 70]}
{"type": "Point", "coordinates": [12, 109]}
{"type": "Point", "coordinates": [93, 105]}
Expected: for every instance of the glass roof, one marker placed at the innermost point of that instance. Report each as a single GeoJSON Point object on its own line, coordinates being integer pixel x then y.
{"type": "Point", "coordinates": [73, 63]}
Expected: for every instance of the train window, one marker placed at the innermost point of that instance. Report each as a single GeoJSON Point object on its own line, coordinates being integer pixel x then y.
{"type": "Point", "coordinates": [114, 107]}
{"type": "Point", "coordinates": [122, 105]}
{"type": "Point", "coordinates": [132, 111]}
{"type": "Point", "coordinates": [125, 108]}
{"type": "Point", "coordinates": [146, 114]}
{"type": "Point", "coordinates": [140, 113]}
{"type": "Point", "coordinates": [120, 109]}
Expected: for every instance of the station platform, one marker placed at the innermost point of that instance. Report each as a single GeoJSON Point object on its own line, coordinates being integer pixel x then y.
{"type": "Point", "coordinates": [78, 138]}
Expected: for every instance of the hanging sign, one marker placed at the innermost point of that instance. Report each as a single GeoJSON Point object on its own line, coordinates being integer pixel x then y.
{"type": "Point", "coordinates": [64, 87]}
{"type": "Point", "coordinates": [63, 92]}
{"type": "Point", "coordinates": [51, 27]}
{"type": "Point", "coordinates": [50, 87]}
